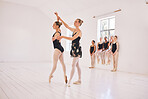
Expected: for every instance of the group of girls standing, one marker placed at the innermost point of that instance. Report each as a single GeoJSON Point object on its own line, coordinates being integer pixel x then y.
{"type": "Point", "coordinates": [75, 52]}
{"type": "Point", "coordinates": [105, 50]}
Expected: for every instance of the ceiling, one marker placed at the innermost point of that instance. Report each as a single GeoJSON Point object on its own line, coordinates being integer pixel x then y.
{"type": "Point", "coordinates": [71, 7]}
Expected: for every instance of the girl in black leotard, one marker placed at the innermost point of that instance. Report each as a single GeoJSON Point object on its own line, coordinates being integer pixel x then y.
{"type": "Point", "coordinates": [114, 51]}
{"type": "Point", "coordinates": [92, 54]}
{"type": "Point", "coordinates": [105, 48]}
{"type": "Point", "coordinates": [75, 52]}
{"type": "Point", "coordinates": [58, 51]}
{"type": "Point", "coordinates": [99, 50]}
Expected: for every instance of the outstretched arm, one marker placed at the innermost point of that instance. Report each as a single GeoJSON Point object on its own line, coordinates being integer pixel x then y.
{"type": "Point", "coordinates": [70, 38]}
{"type": "Point", "coordinates": [66, 25]}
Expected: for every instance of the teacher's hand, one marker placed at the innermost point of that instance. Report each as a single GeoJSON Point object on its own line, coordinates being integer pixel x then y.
{"type": "Point", "coordinates": [59, 37]}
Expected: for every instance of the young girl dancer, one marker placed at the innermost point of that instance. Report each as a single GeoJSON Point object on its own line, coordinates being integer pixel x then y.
{"type": "Point", "coordinates": [92, 54]}
{"type": "Point", "coordinates": [105, 48]}
{"type": "Point", "coordinates": [99, 50]}
{"type": "Point", "coordinates": [114, 49]}
{"type": "Point", "coordinates": [75, 52]}
{"type": "Point", "coordinates": [58, 50]}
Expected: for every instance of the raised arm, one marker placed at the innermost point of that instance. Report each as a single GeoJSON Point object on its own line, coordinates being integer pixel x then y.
{"type": "Point", "coordinates": [66, 25]}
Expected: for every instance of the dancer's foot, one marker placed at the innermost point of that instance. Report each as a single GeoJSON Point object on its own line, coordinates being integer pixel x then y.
{"type": "Point", "coordinates": [113, 70]}
{"type": "Point", "coordinates": [50, 78]}
{"type": "Point", "coordinates": [68, 85]}
{"type": "Point", "coordinates": [66, 79]}
{"type": "Point", "coordinates": [91, 67]}
{"type": "Point", "coordinates": [77, 82]}
{"type": "Point", "coordinates": [108, 63]}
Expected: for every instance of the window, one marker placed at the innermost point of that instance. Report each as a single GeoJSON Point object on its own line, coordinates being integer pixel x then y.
{"type": "Point", "coordinates": [68, 42]}
{"type": "Point", "coordinates": [106, 27]}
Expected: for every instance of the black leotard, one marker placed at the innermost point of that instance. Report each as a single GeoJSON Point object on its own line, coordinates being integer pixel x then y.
{"type": "Point", "coordinates": [92, 48]}
{"type": "Point", "coordinates": [105, 45]}
{"type": "Point", "coordinates": [100, 46]}
{"type": "Point", "coordinates": [57, 44]}
{"type": "Point", "coordinates": [76, 48]}
{"type": "Point", "coordinates": [114, 47]}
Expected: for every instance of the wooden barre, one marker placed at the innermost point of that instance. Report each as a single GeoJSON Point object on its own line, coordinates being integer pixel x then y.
{"type": "Point", "coordinates": [108, 13]}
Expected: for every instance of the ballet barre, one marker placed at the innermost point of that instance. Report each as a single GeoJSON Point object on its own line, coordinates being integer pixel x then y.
{"type": "Point", "coordinates": [107, 13]}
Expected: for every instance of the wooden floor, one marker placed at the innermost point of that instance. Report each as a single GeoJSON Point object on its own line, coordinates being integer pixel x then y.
{"type": "Point", "coordinates": [30, 81]}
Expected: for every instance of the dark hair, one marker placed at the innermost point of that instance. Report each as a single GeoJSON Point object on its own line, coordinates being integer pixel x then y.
{"type": "Point", "coordinates": [116, 36]}
{"type": "Point", "coordinates": [58, 23]}
{"type": "Point", "coordinates": [80, 21]}
{"type": "Point", "coordinates": [93, 41]}
{"type": "Point", "coordinates": [105, 37]}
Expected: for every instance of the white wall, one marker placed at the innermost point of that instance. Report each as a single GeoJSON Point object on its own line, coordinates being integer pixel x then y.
{"type": "Point", "coordinates": [25, 34]}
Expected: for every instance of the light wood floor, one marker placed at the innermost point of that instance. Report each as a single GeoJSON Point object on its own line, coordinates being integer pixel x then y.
{"type": "Point", "coordinates": [30, 81]}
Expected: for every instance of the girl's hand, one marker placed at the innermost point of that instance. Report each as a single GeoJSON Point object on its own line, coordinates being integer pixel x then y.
{"type": "Point", "coordinates": [112, 53]}
{"type": "Point", "coordinates": [56, 13]}
{"type": "Point", "coordinates": [59, 37]}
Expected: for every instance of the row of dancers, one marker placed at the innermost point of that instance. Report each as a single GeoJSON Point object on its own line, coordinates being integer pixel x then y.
{"type": "Point", "coordinates": [75, 52]}
{"type": "Point", "coordinates": [105, 50]}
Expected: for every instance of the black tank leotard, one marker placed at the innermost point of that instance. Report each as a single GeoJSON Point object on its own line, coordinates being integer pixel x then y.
{"type": "Point", "coordinates": [57, 44]}
{"type": "Point", "coordinates": [100, 46]}
{"type": "Point", "coordinates": [114, 47]}
{"type": "Point", "coordinates": [92, 48]}
{"type": "Point", "coordinates": [76, 48]}
{"type": "Point", "coordinates": [105, 45]}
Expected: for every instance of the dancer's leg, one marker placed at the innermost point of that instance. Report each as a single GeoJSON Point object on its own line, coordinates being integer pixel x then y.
{"type": "Point", "coordinates": [109, 56]}
{"type": "Point", "coordinates": [91, 61]}
{"type": "Point", "coordinates": [56, 55]}
{"type": "Point", "coordinates": [98, 55]}
{"type": "Point", "coordinates": [103, 57]}
{"type": "Point", "coordinates": [75, 60]}
{"type": "Point", "coordinates": [63, 64]}
{"type": "Point", "coordinates": [116, 61]}
{"type": "Point", "coordinates": [94, 60]}
{"type": "Point", "coordinates": [113, 63]}
{"type": "Point", "coordinates": [64, 67]}
{"type": "Point", "coordinates": [79, 71]}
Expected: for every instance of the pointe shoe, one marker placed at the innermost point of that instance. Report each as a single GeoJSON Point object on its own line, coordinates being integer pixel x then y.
{"type": "Point", "coordinates": [66, 79]}
{"type": "Point", "coordinates": [50, 78]}
{"type": "Point", "coordinates": [77, 82]}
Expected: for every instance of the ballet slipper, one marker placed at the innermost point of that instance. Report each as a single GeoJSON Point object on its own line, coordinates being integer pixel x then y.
{"type": "Point", "coordinates": [68, 85]}
{"type": "Point", "coordinates": [113, 70]}
{"type": "Point", "coordinates": [90, 67]}
{"type": "Point", "coordinates": [50, 78]}
{"type": "Point", "coordinates": [77, 82]}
